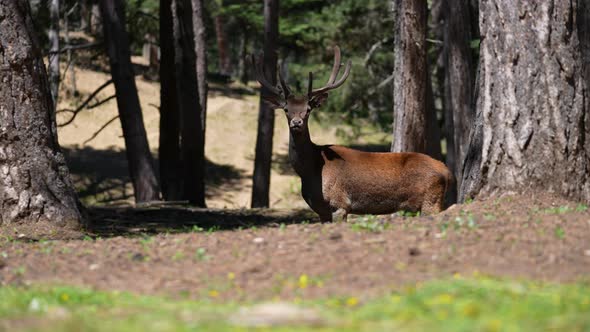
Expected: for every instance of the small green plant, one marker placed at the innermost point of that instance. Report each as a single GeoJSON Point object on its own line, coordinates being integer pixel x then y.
{"type": "Point", "coordinates": [201, 254]}
{"type": "Point", "coordinates": [370, 223]}
{"type": "Point", "coordinates": [559, 232]}
{"type": "Point", "coordinates": [581, 208]}
{"type": "Point", "coordinates": [197, 229]}
{"type": "Point", "coordinates": [408, 214]}
{"type": "Point", "coordinates": [178, 255]}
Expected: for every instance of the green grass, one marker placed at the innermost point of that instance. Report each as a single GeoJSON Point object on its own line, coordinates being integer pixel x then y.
{"type": "Point", "coordinates": [472, 304]}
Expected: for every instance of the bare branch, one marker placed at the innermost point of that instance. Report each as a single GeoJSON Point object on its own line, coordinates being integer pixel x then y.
{"type": "Point", "coordinates": [98, 103]}
{"type": "Point", "coordinates": [81, 107]}
{"type": "Point", "coordinates": [100, 129]}
{"type": "Point", "coordinates": [77, 47]}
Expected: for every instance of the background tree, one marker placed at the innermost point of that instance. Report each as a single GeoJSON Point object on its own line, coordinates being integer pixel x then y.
{"type": "Point", "coordinates": [266, 115]}
{"type": "Point", "coordinates": [200, 36]}
{"type": "Point", "coordinates": [192, 149]}
{"type": "Point", "coordinates": [36, 191]}
{"type": "Point", "coordinates": [141, 169]}
{"type": "Point", "coordinates": [53, 34]}
{"type": "Point", "coordinates": [169, 149]}
{"type": "Point", "coordinates": [532, 125]}
{"type": "Point", "coordinates": [415, 126]}
{"type": "Point", "coordinates": [459, 83]}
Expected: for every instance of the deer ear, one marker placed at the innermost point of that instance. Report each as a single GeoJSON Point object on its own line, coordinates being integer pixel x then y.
{"type": "Point", "coordinates": [273, 101]}
{"type": "Point", "coordinates": [317, 101]}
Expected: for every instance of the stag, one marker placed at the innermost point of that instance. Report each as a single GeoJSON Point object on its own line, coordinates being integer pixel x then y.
{"type": "Point", "coordinates": [337, 181]}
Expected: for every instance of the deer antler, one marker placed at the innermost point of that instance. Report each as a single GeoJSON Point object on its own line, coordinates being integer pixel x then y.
{"type": "Point", "coordinates": [331, 81]}
{"type": "Point", "coordinates": [282, 90]}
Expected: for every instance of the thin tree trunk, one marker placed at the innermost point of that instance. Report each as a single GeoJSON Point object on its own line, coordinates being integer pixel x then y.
{"type": "Point", "coordinates": [95, 19]}
{"type": "Point", "coordinates": [243, 68]}
{"type": "Point", "coordinates": [71, 62]}
{"type": "Point", "coordinates": [414, 129]}
{"type": "Point", "coordinates": [54, 50]}
{"type": "Point", "coordinates": [37, 196]}
{"type": "Point", "coordinates": [224, 60]}
{"type": "Point", "coordinates": [139, 158]}
{"type": "Point", "coordinates": [201, 53]}
{"type": "Point", "coordinates": [169, 150]}
{"type": "Point", "coordinates": [84, 15]}
{"type": "Point", "coordinates": [266, 115]}
{"type": "Point", "coordinates": [191, 146]}
{"type": "Point", "coordinates": [458, 81]}
{"type": "Point", "coordinates": [532, 128]}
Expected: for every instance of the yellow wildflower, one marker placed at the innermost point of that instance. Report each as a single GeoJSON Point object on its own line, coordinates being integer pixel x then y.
{"type": "Point", "coordinates": [64, 297]}
{"type": "Point", "coordinates": [352, 301]}
{"type": "Point", "coordinates": [213, 293]}
{"type": "Point", "coordinates": [303, 280]}
{"type": "Point", "coordinates": [231, 276]}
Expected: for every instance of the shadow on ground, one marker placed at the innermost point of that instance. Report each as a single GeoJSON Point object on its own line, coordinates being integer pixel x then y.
{"type": "Point", "coordinates": [109, 221]}
{"type": "Point", "coordinates": [101, 176]}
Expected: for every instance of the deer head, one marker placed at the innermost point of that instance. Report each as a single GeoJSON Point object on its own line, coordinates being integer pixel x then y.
{"type": "Point", "coordinates": [298, 107]}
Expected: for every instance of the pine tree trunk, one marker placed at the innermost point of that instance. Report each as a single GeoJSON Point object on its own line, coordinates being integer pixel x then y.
{"type": "Point", "coordinates": [37, 196]}
{"type": "Point", "coordinates": [458, 83]}
{"type": "Point", "coordinates": [532, 128]}
{"type": "Point", "coordinates": [191, 143]}
{"type": "Point", "coordinates": [223, 53]}
{"type": "Point", "coordinates": [266, 115]}
{"type": "Point", "coordinates": [169, 150]}
{"type": "Point", "coordinates": [54, 50]}
{"type": "Point", "coordinates": [415, 127]}
{"type": "Point", "coordinates": [201, 53]}
{"type": "Point", "coordinates": [84, 15]}
{"type": "Point", "coordinates": [139, 158]}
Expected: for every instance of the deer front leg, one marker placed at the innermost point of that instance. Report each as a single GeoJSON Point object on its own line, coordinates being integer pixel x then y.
{"type": "Point", "coordinates": [340, 215]}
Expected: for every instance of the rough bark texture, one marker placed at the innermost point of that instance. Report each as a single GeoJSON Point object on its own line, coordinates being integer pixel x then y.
{"type": "Point", "coordinates": [413, 127]}
{"type": "Point", "coordinates": [169, 150]}
{"type": "Point", "coordinates": [191, 141]}
{"type": "Point", "coordinates": [35, 185]}
{"type": "Point", "coordinates": [532, 125]}
{"type": "Point", "coordinates": [459, 81]}
{"type": "Point", "coordinates": [201, 53]}
{"type": "Point", "coordinates": [266, 115]}
{"type": "Point", "coordinates": [53, 35]}
{"type": "Point", "coordinates": [139, 158]}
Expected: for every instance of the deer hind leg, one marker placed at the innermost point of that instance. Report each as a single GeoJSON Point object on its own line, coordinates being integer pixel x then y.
{"type": "Point", "coordinates": [434, 199]}
{"type": "Point", "coordinates": [340, 215]}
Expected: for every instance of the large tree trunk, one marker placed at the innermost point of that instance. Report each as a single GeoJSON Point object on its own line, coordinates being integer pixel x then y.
{"type": "Point", "coordinates": [54, 50]}
{"type": "Point", "coordinates": [201, 53]}
{"type": "Point", "coordinates": [139, 158]}
{"type": "Point", "coordinates": [169, 150]}
{"type": "Point", "coordinates": [532, 128]}
{"type": "Point", "coordinates": [415, 127]}
{"type": "Point", "coordinates": [191, 146]}
{"type": "Point", "coordinates": [37, 196]}
{"type": "Point", "coordinates": [458, 83]}
{"type": "Point", "coordinates": [266, 115]}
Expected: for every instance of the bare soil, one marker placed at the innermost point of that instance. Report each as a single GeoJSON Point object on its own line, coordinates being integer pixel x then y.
{"type": "Point", "coordinates": [262, 254]}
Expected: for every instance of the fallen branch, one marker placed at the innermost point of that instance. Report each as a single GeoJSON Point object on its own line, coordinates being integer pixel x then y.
{"type": "Point", "coordinates": [100, 129]}
{"type": "Point", "coordinates": [76, 47]}
{"type": "Point", "coordinates": [98, 103]}
{"type": "Point", "coordinates": [81, 107]}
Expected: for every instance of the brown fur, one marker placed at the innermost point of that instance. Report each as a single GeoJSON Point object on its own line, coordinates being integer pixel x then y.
{"type": "Point", "coordinates": [336, 181]}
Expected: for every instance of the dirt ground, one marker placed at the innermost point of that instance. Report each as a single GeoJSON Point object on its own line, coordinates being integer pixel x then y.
{"type": "Point", "coordinates": [262, 254]}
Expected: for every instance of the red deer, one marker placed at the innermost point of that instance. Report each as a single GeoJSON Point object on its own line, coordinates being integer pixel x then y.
{"type": "Point", "coordinates": [336, 180]}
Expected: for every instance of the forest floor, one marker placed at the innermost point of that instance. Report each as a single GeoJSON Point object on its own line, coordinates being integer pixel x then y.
{"type": "Point", "coordinates": [506, 263]}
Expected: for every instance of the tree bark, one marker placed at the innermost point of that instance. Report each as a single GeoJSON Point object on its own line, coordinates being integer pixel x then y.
{"type": "Point", "coordinates": [54, 50]}
{"type": "Point", "coordinates": [35, 186]}
{"type": "Point", "coordinates": [191, 143]}
{"type": "Point", "coordinates": [224, 60]}
{"type": "Point", "coordinates": [201, 53]}
{"type": "Point", "coordinates": [266, 115]}
{"type": "Point", "coordinates": [413, 114]}
{"type": "Point", "coordinates": [169, 150]}
{"type": "Point", "coordinates": [139, 158]}
{"type": "Point", "coordinates": [458, 83]}
{"type": "Point", "coordinates": [532, 127]}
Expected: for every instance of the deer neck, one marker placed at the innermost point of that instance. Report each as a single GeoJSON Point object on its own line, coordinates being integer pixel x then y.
{"type": "Point", "coordinates": [302, 152]}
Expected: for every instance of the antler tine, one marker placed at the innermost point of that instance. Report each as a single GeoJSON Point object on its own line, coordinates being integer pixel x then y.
{"type": "Point", "coordinates": [336, 67]}
{"type": "Point", "coordinates": [310, 84]}
{"type": "Point", "coordinates": [262, 79]}
{"type": "Point", "coordinates": [337, 84]}
{"type": "Point", "coordinates": [284, 86]}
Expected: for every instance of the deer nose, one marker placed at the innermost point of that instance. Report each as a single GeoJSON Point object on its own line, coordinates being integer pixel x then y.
{"type": "Point", "coordinates": [296, 123]}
